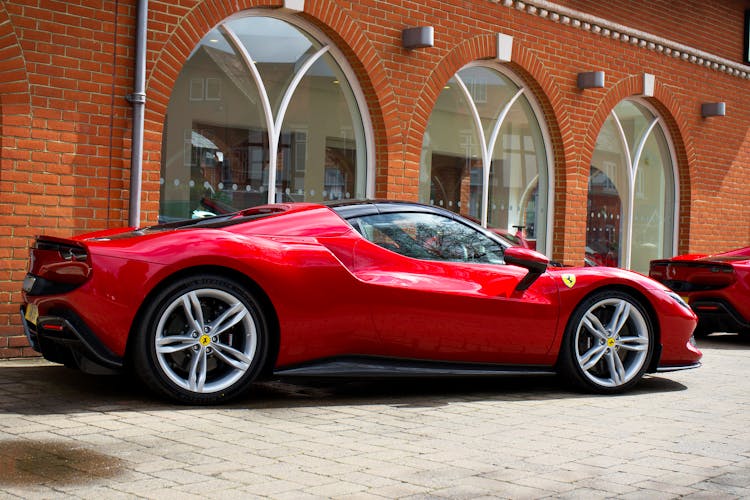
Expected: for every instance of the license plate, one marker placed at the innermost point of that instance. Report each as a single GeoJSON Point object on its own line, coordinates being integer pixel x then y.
{"type": "Point", "coordinates": [32, 313]}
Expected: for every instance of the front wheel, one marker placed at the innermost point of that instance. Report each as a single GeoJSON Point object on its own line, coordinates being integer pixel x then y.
{"type": "Point", "coordinates": [203, 340]}
{"type": "Point", "coordinates": [608, 344]}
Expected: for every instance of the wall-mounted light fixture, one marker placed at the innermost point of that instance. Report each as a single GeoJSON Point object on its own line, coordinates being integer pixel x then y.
{"type": "Point", "coordinates": [713, 109]}
{"type": "Point", "coordinates": [418, 38]}
{"type": "Point", "coordinates": [591, 80]}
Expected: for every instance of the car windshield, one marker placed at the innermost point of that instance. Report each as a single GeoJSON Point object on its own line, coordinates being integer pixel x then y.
{"type": "Point", "coordinates": [428, 236]}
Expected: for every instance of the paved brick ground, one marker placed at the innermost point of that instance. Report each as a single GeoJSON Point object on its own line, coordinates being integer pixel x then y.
{"type": "Point", "coordinates": [679, 435]}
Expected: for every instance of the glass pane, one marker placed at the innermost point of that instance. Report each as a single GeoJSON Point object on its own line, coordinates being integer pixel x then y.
{"type": "Point", "coordinates": [608, 191]}
{"type": "Point", "coordinates": [490, 91]}
{"type": "Point", "coordinates": [451, 173]}
{"type": "Point", "coordinates": [654, 203]}
{"type": "Point", "coordinates": [277, 49]}
{"type": "Point", "coordinates": [320, 159]}
{"type": "Point", "coordinates": [215, 145]}
{"type": "Point", "coordinates": [519, 166]}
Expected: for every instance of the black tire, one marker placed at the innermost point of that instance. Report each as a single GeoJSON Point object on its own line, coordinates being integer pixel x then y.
{"type": "Point", "coordinates": [608, 343]}
{"type": "Point", "coordinates": [212, 365]}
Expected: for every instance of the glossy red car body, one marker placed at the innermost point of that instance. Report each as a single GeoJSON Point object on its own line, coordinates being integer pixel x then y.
{"type": "Point", "coordinates": [328, 294]}
{"type": "Point", "coordinates": [717, 287]}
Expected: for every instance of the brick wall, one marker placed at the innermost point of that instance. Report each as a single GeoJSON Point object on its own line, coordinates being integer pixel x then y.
{"type": "Point", "coordinates": [65, 70]}
{"type": "Point", "coordinates": [65, 128]}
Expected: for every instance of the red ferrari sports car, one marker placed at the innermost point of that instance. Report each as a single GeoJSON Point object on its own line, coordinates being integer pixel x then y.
{"type": "Point", "coordinates": [717, 287]}
{"type": "Point", "coordinates": [201, 308]}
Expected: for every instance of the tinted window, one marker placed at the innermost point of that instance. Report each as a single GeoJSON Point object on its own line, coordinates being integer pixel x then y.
{"type": "Point", "coordinates": [429, 237]}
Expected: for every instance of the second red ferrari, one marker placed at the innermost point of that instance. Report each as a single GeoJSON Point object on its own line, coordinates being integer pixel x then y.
{"type": "Point", "coordinates": [717, 287]}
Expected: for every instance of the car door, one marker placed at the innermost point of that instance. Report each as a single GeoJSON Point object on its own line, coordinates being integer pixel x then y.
{"type": "Point", "coordinates": [439, 289]}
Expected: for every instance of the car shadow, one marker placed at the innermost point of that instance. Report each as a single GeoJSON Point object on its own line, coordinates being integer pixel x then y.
{"type": "Point", "coordinates": [428, 393]}
{"type": "Point", "coordinates": [725, 341]}
{"type": "Point", "coordinates": [53, 389]}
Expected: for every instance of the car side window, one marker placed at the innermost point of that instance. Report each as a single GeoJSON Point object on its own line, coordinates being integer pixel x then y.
{"type": "Point", "coordinates": [429, 237]}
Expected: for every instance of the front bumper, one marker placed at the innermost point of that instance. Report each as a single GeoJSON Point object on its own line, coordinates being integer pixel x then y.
{"type": "Point", "coordinates": [65, 339]}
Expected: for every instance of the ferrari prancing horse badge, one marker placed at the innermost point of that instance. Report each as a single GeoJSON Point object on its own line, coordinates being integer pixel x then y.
{"type": "Point", "coordinates": [569, 280]}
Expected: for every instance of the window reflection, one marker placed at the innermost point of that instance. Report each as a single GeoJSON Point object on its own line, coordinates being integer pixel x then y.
{"type": "Point", "coordinates": [494, 174]}
{"type": "Point", "coordinates": [244, 123]}
{"type": "Point", "coordinates": [603, 220]}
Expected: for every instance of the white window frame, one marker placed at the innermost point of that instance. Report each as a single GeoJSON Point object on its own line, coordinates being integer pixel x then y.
{"type": "Point", "coordinates": [632, 174]}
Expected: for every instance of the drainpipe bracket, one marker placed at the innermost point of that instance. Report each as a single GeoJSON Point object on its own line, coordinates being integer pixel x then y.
{"type": "Point", "coordinates": [136, 98]}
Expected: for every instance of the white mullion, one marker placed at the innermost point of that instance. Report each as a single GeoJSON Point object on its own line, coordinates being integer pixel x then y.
{"type": "Point", "coordinates": [286, 99]}
{"type": "Point", "coordinates": [641, 146]}
{"type": "Point", "coordinates": [633, 175]}
{"type": "Point", "coordinates": [485, 155]}
{"type": "Point", "coordinates": [501, 118]}
{"type": "Point", "coordinates": [491, 145]}
{"type": "Point", "coordinates": [628, 220]}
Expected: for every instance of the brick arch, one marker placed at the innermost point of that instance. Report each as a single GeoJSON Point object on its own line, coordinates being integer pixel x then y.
{"type": "Point", "coordinates": [527, 67]}
{"type": "Point", "coordinates": [536, 77]}
{"type": "Point", "coordinates": [627, 87]}
{"type": "Point", "coordinates": [670, 109]}
{"type": "Point", "coordinates": [326, 15]}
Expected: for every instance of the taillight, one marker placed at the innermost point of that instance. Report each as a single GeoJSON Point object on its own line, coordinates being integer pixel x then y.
{"type": "Point", "coordinates": [658, 271]}
{"type": "Point", "coordinates": [693, 276]}
{"type": "Point", "coordinates": [56, 267]}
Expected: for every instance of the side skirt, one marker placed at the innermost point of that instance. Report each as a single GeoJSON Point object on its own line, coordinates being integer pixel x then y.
{"type": "Point", "coordinates": [374, 367]}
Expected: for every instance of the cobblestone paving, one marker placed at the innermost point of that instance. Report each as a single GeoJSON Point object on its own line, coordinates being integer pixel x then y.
{"type": "Point", "coordinates": [678, 435]}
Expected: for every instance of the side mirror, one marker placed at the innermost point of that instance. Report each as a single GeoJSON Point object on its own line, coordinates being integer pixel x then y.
{"type": "Point", "coordinates": [535, 262]}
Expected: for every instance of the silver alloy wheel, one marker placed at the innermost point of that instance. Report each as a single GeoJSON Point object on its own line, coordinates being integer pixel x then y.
{"type": "Point", "coordinates": [205, 340]}
{"type": "Point", "coordinates": [612, 342]}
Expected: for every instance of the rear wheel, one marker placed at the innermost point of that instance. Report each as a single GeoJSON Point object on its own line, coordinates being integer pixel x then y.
{"type": "Point", "coordinates": [202, 341]}
{"type": "Point", "coordinates": [608, 344]}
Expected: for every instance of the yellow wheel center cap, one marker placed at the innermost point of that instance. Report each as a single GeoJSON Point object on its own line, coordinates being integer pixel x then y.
{"type": "Point", "coordinates": [610, 342]}
{"type": "Point", "coordinates": [205, 340]}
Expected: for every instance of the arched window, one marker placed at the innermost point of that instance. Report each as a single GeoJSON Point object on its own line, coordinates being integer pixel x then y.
{"type": "Point", "coordinates": [262, 112]}
{"type": "Point", "coordinates": [485, 154]}
{"type": "Point", "coordinates": [632, 190]}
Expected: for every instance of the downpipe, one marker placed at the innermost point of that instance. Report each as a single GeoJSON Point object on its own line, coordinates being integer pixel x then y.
{"type": "Point", "coordinates": [138, 99]}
